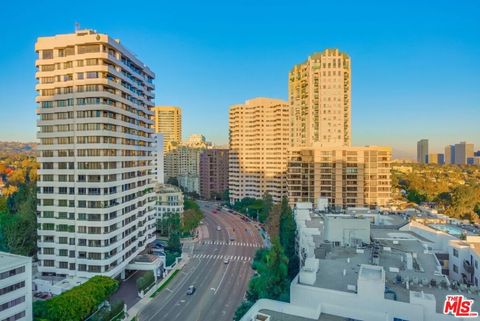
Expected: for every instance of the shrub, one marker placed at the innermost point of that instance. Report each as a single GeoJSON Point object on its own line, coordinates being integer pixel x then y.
{"type": "Point", "coordinates": [77, 303]}
{"type": "Point", "coordinates": [145, 281]}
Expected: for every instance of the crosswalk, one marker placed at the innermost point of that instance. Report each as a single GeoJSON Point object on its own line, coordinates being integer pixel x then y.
{"type": "Point", "coordinates": [231, 243]}
{"type": "Point", "coordinates": [222, 257]}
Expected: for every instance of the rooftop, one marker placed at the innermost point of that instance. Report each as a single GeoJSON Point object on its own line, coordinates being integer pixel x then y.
{"type": "Point", "coordinates": [404, 256]}
{"type": "Point", "coordinates": [278, 316]}
{"type": "Point", "coordinates": [9, 260]}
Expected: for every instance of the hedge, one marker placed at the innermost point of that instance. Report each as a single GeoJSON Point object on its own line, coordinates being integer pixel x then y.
{"type": "Point", "coordinates": [78, 303]}
{"type": "Point", "coordinates": [145, 281]}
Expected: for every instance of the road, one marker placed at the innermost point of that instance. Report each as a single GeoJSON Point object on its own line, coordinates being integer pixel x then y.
{"type": "Point", "coordinates": [220, 287]}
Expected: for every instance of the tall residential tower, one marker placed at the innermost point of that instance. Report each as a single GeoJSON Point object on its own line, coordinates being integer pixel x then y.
{"type": "Point", "coordinates": [168, 121]}
{"type": "Point", "coordinates": [422, 151]}
{"type": "Point", "coordinates": [95, 192]}
{"type": "Point", "coordinates": [259, 140]}
{"type": "Point", "coordinates": [319, 96]}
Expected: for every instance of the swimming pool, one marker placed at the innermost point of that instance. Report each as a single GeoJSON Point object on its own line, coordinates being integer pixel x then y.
{"type": "Point", "coordinates": [450, 229]}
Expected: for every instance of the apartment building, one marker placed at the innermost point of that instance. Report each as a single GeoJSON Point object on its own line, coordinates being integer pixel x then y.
{"type": "Point", "coordinates": [168, 121]}
{"type": "Point", "coordinates": [197, 141]}
{"type": "Point", "coordinates": [213, 173]}
{"type": "Point", "coordinates": [463, 151]}
{"type": "Point", "coordinates": [95, 190]}
{"type": "Point", "coordinates": [422, 151]}
{"type": "Point", "coordinates": [15, 287]}
{"type": "Point", "coordinates": [319, 94]}
{"type": "Point", "coordinates": [346, 176]}
{"type": "Point", "coordinates": [450, 154]}
{"type": "Point", "coordinates": [464, 258]}
{"type": "Point", "coordinates": [393, 276]}
{"type": "Point", "coordinates": [169, 199]}
{"type": "Point", "coordinates": [259, 141]}
{"type": "Point", "coordinates": [159, 159]}
{"type": "Point", "coordinates": [434, 158]}
{"type": "Point", "coordinates": [183, 163]}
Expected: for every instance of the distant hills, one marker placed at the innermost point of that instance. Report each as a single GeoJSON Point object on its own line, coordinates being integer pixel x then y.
{"type": "Point", "coordinates": [9, 148]}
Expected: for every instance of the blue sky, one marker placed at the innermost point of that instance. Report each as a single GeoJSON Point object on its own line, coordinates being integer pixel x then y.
{"type": "Point", "coordinates": [415, 64]}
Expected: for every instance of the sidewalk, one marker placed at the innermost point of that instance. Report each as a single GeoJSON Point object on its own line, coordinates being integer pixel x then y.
{"type": "Point", "coordinates": [138, 307]}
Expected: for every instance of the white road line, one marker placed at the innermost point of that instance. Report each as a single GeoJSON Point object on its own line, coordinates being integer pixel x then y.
{"type": "Point", "coordinates": [225, 273]}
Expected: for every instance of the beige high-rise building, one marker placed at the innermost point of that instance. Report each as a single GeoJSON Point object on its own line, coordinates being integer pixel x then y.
{"type": "Point", "coordinates": [463, 151]}
{"type": "Point", "coordinates": [95, 189]}
{"type": "Point", "coordinates": [346, 176]}
{"type": "Point", "coordinates": [168, 121]}
{"type": "Point", "coordinates": [319, 95]}
{"type": "Point", "coordinates": [183, 163]}
{"type": "Point", "coordinates": [259, 141]}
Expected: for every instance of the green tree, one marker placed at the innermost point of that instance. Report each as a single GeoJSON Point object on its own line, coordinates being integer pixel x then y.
{"type": "Point", "coordinates": [174, 243]}
{"type": "Point", "coordinates": [288, 229]}
{"type": "Point", "coordinates": [416, 197]}
{"type": "Point", "coordinates": [267, 205]}
{"type": "Point", "coordinates": [226, 196]}
{"type": "Point", "coordinates": [272, 280]}
{"type": "Point", "coordinates": [3, 205]}
{"type": "Point", "coordinates": [242, 309]}
{"type": "Point", "coordinates": [464, 200]}
{"type": "Point", "coordinates": [18, 223]}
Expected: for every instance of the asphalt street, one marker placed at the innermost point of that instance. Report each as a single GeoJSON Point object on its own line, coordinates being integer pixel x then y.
{"type": "Point", "coordinates": [220, 286]}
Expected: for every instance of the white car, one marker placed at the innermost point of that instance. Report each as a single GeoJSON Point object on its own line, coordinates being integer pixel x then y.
{"type": "Point", "coordinates": [219, 228]}
{"type": "Point", "coordinates": [226, 261]}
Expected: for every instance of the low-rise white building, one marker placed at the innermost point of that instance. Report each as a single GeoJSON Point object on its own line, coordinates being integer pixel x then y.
{"type": "Point", "coordinates": [397, 277]}
{"type": "Point", "coordinates": [464, 258]}
{"type": "Point", "coordinates": [169, 200]}
{"type": "Point", "coordinates": [15, 287]}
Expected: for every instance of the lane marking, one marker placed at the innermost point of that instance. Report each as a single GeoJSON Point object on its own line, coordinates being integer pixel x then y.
{"type": "Point", "coordinates": [224, 273]}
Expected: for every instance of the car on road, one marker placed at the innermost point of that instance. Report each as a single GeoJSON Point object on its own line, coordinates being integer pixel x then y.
{"type": "Point", "coordinates": [191, 290]}
{"type": "Point", "coordinates": [232, 238]}
{"type": "Point", "coordinates": [219, 228]}
{"type": "Point", "coordinates": [226, 261]}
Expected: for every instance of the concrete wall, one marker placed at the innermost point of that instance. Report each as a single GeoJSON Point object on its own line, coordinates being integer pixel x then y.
{"type": "Point", "coordinates": [347, 230]}
{"type": "Point", "coordinates": [440, 239]}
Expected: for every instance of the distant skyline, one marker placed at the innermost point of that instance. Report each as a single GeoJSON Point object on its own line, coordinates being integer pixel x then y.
{"type": "Point", "coordinates": [415, 64]}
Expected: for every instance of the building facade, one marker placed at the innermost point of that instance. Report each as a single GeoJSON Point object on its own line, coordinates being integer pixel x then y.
{"type": "Point", "coordinates": [450, 154]}
{"type": "Point", "coordinates": [213, 173]}
{"type": "Point", "coordinates": [422, 151]}
{"type": "Point", "coordinates": [168, 121]}
{"type": "Point", "coordinates": [436, 159]}
{"type": "Point", "coordinates": [15, 287]}
{"type": "Point", "coordinates": [319, 92]}
{"type": "Point", "coordinates": [463, 151]}
{"type": "Point", "coordinates": [183, 164]}
{"type": "Point", "coordinates": [259, 141]}
{"type": "Point", "coordinates": [159, 159]}
{"type": "Point", "coordinates": [346, 176]}
{"type": "Point", "coordinates": [95, 188]}
{"type": "Point", "coordinates": [169, 200]}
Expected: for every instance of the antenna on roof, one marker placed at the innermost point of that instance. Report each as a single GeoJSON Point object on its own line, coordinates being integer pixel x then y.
{"type": "Point", "coordinates": [77, 26]}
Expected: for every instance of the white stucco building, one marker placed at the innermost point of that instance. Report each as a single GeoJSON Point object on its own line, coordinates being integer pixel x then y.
{"type": "Point", "coordinates": [464, 258]}
{"type": "Point", "coordinates": [169, 200]}
{"type": "Point", "coordinates": [15, 287]}
{"type": "Point", "coordinates": [395, 278]}
{"type": "Point", "coordinates": [95, 188]}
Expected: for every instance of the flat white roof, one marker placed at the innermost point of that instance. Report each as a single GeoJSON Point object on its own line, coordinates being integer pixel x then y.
{"type": "Point", "coordinates": [8, 260]}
